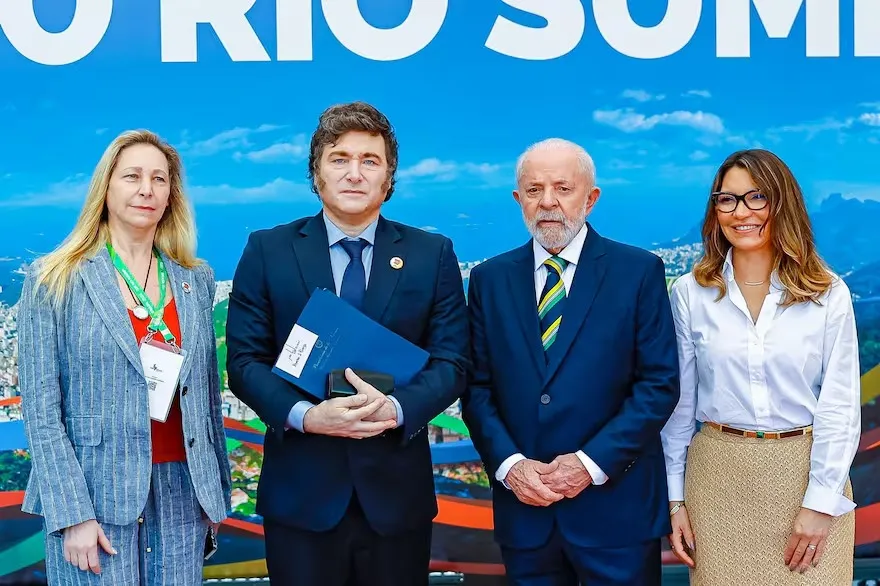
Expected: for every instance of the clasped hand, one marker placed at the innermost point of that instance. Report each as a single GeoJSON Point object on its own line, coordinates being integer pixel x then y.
{"type": "Point", "coordinates": [365, 414]}
{"type": "Point", "coordinates": [539, 484]}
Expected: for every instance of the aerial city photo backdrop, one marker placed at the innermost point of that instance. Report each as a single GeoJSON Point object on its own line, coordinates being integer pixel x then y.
{"type": "Point", "coordinates": [658, 92]}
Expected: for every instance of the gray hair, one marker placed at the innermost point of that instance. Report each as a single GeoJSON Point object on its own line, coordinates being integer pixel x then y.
{"type": "Point", "coordinates": [585, 161]}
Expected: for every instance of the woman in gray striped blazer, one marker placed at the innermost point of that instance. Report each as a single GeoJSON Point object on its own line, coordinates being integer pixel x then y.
{"type": "Point", "coordinates": [120, 384]}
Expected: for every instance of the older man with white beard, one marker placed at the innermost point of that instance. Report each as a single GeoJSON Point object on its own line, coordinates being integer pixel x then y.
{"type": "Point", "coordinates": [575, 372]}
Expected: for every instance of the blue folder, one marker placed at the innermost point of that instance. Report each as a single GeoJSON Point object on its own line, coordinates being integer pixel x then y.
{"type": "Point", "coordinates": [330, 334]}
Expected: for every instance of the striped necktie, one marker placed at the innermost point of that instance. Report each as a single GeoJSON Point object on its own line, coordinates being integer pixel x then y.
{"type": "Point", "coordinates": [552, 301]}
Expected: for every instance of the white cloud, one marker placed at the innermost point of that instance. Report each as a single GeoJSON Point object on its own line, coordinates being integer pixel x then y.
{"type": "Point", "coordinates": [462, 216]}
{"type": "Point", "coordinates": [870, 118]}
{"type": "Point", "coordinates": [698, 94]}
{"type": "Point", "coordinates": [621, 165]}
{"type": "Point", "coordinates": [436, 170]}
{"type": "Point", "coordinates": [813, 128]}
{"type": "Point", "coordinates": [641, 95]}
{"type": "Point", "coordinates": [699, 156]}
{"type": "Point", "coordinates": [70, 192]}
{"type": "Point", "coordinates": [232, 139]}
{"type": "Point", "coordinates": [612, 181]}
{"type": "Point", "coordinates": [687, 174]}
{"type": "Point", "coordinates": [429, 228]}
{"type": "Point", "coordinates": [628, 120]}
{"type": "Point", "coordinates": [291, 151]}
{"type": "Point", "coordinates": [276, 190]}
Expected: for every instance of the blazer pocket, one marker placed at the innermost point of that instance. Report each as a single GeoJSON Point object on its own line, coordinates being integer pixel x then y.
{"type": "Point", "coordinates": [210, 431]}
{"type": "Point", "coordinates": [84, 430]}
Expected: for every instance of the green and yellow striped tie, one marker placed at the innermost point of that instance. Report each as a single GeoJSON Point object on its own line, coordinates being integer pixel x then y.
{"type": "Point", "coordinates": [552, 301]}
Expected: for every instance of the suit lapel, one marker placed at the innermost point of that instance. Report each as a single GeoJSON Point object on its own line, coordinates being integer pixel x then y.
{"type": "Point", "coordinates": [312, 251]}
{"type": "Point", "coordinates": [383, 277]}
{"type": "Point", "coordinates": [99, 277]}
{"type": "Point", "coordinates": [187, 310]}
{"type": "Point", "coordinates": [587, 279]}
{"type": "Point", "coordinates": [522, 290]}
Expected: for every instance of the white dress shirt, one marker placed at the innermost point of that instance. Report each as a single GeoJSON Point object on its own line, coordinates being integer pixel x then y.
{"type": "Point", "coordinates": [794, 367]}
{"type": "Point", "coordinates": [572, 254]}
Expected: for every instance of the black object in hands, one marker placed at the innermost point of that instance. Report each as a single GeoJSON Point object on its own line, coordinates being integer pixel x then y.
{"type": "Point", "coordinates": [338, 385]}
{"type": "Point", "coordinates": [210, 543]}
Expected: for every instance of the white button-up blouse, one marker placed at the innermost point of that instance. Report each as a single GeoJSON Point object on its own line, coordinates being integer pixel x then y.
{"type": "Point", "coordinates": [795, 366]}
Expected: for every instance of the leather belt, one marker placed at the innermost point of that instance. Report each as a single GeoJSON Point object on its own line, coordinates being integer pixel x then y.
{"type": "Point", "coordinates": [761, 434]}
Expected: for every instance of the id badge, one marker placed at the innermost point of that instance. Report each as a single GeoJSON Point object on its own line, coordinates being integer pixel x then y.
{"type": "Point", "coordinates": [162, 364]}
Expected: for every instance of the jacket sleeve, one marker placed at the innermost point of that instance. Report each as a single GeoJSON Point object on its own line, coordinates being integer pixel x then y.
{"type": "Point", "coordinates": [488, 431]}
{"type": "Point", "coordinates": [62, 487]}
{"type": "Point", "coordinates": [250, 344]}
{"type": "Point", "coordinates": [655, 389]}
{"type": "Point", "coordinates": [216, 404]}
{"type": "Point", "coordinates": [443, 380]}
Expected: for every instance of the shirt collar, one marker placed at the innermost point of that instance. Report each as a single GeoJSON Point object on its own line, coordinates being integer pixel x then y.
{"type": "Point", "coordinates": [727, 272]}
{"type": "Point", "coordinates": [334, 234]}
{"type": "Point", "coordinates": [571, 253]}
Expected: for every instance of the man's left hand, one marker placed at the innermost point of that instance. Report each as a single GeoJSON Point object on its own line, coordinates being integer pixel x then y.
{"type": "Point", "coordinates": [387, 412]}
{"type": "Point", "coordinates": [569, 478]}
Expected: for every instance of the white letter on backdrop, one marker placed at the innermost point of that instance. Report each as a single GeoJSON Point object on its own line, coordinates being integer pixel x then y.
{"type": "Point", "coordinates": [561, 34]}
{"type": "Point", "coordinates": [408, 38]}
{"type": "Point", "coordinates": [627, 37]}
{"type": "Point", "coordinates": [179, 19]}
{"type": "Point", "coordinates": [733, 20]}
{"type": "Point", "coordinates": [90, 21]}
{"type": "Point", "coordinates": [867, 15]}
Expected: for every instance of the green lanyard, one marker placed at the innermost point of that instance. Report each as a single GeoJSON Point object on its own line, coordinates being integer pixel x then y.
{"type": "Point", "coordinates": [157, 323]}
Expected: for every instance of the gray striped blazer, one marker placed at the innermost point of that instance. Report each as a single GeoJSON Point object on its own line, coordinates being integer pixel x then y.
{"type": "Point", "coordinates": [85, 405]}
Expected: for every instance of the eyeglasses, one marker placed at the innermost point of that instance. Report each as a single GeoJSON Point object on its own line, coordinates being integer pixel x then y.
{"type": "Point", "coordinates": [727, 202]}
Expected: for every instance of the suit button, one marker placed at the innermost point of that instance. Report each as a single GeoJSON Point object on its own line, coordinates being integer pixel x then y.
{"type": "Point", "coordinates": [545, 398]}
{"type": "Point", "coordinates": [185, 391]}
{"type": "Point", "coordinates": [192, 441]}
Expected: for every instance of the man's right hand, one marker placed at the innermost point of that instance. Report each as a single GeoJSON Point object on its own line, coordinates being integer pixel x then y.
{"type": "Point", "coordinates": [524, 479]}
{"type": "Point", "coordinates": [81, 545]}
{"type": "Point", "coordinates": [343, 417]}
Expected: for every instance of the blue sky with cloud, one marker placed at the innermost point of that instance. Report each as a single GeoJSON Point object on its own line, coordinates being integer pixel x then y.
{"type": "Point", "coordinates": [657, 128]}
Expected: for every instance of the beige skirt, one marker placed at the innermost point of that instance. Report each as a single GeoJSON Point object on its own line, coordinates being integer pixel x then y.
{"type": "Point", "coordinates": [742, 498]}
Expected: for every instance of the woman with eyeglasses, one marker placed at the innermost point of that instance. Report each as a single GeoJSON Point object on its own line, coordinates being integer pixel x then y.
{"type": "Point", "coordinates": [760, 493]}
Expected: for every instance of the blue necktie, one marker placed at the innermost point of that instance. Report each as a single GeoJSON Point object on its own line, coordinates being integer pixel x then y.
{"type": "Point", "coordinates": [354, 280]}
{"type": "Point", "coordinates": [552, 301]}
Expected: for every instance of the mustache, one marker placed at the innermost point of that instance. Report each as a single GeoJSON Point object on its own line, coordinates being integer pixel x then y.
{"type": "Point", "coordinates": [550, 216]}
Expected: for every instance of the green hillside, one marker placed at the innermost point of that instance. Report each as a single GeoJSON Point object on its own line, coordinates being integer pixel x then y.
{"type": "Point", "coordinates": [220, 312]}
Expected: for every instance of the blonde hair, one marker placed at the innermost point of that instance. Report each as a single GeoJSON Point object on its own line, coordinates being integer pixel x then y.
{"type": "Point", "coordinates": [803, 274]}
{"type": "Point", "coordinates": [175, 234]}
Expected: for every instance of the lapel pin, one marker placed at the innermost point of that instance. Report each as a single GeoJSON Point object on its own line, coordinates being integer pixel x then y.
{"type": "Point", "coordinates": [186, 287]}
{"type": "Point", "coordinates": [396, 262]}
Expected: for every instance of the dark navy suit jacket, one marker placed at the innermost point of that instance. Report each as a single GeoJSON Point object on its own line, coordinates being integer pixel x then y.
{"type": "Point", "coordinates": [307, 480]}
{"type": "Point", "coordinates": [612, 385]}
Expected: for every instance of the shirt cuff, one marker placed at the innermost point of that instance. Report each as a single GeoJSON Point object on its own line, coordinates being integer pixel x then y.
{"type": "Point", "coordinates": [824, 500]}
{"type": "Point", "coordinates": [675, 486]}
{"type": "Point", "coordinates": [296, 416]}
{"type": "Point", "coordinates": [596, 473]}
{"type": "Point", "coordinates": [506, 465]}
{"type": "Point", "coordinates": [399, 410]}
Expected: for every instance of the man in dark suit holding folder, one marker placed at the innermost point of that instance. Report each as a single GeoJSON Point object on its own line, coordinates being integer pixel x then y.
{"type": "Point", "coordinates": [347, 487]}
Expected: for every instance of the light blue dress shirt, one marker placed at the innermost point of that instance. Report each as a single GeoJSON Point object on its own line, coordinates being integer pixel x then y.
{"type": "Point", "coordinates": [338, 262]}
